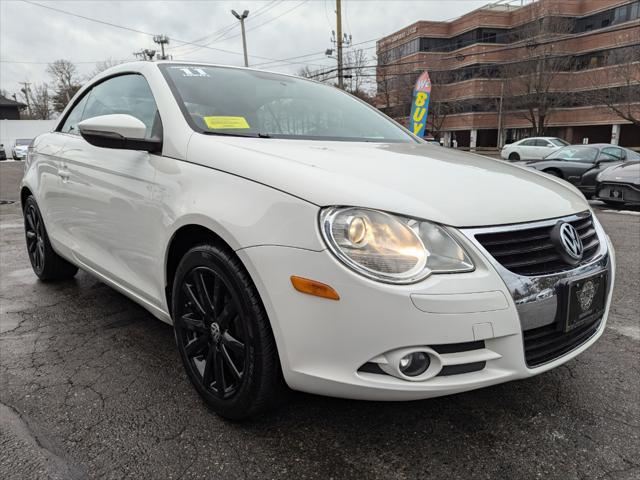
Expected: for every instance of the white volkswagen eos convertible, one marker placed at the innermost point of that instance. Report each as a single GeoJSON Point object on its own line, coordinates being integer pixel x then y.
{"type": "Point", "coordinates": [293, 235]}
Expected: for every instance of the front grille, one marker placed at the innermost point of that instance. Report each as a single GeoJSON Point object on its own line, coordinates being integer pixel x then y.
{"type": "Point", "coordinates": [625, 193]}
{"type": "Point", "coordinates": [543, 344]}
{"type": "Point", "coordinates": [530, 252]}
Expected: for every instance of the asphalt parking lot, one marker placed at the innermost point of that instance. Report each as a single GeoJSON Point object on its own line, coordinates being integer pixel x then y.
{"type": "Point", "coordinates": [91, 386]}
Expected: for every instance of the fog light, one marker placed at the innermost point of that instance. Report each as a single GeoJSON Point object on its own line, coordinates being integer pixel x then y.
{"type": "Point", "coordinates": [414, 364]}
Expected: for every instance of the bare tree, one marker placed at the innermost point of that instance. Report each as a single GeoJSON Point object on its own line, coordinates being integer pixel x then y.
{"type": "Point", "coordinates": [41, 108]}
{"type": "Point", "coordinates": [384, 84]}
{"type": "Point", "coordinates": [528, 82]}
{"type": "Point", "coordinates": [102, 66]}
{"type": "Point", "coordinates": [319, 75]}
{"type": "Point", "coordinates": [65, 78]}
{"type": "Point", "coordinates": [622, 96]}
{"type": "Point", "coordinates": [355, 71]}
{"type": "Point", "coordinates": [438, 113]}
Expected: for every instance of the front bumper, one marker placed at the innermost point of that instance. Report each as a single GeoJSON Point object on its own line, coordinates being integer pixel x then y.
{"type": "Point", "coordinates": [323, 344]}
{"type": "Point", "coordinates": [19, 154]}
{"type": "Point", "coordinates": [622, 193]}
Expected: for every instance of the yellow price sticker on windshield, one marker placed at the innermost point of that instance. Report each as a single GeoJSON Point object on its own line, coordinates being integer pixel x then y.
{"type": "Point", "coordinates": [226, 122]}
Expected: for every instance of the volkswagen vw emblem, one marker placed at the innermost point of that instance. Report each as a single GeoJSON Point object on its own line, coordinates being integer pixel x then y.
{"type": "Point", "coordinates": [216, 334]}
{"type": "Point", "coordinates": [571, 242]}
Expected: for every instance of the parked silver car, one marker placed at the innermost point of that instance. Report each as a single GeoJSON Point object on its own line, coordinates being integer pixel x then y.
{"type": "Point", "coordinates": [620, 184]}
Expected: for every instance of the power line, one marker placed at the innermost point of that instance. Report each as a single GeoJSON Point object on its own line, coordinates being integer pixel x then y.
{"type": "Point", "coordinates": [315, 53]}
{"type": "Point", "coordinates": [35, 62]}
{"type": "Point", "coordinates": [268, 21]}
{"type": "Point", "coordinates": [217, 35]}
{"type": "Point", "coordinates": [84, 17]}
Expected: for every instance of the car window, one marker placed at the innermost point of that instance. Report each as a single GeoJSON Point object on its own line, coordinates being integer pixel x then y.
{"type": "Point", "coordinates": [232, 101]}
{"type": "Point", "coordinates": [631, 155]}
{"type": "Point", "coordinates": [540, 142]}
{"type": "Point", "coordinates": [23, 141]}
{"type": "Point", "coordinates": [125, 94]}
{"type": "Point", "coordinates": [611, 153]}
{"type": "Point", "coordinates": [528, 143]}
{"type": "Point", "coordinates": [558, 142]}
{"type": "Point", "coordinates": [575, 154]}
{"type": "Point", "coordinates": [71, 123]}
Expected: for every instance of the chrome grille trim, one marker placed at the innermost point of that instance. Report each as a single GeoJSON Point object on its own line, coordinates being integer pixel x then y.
{"type": "Point", "coordinates": [530, 251]}
{"type": "Point", "coordinates": [536, 297]}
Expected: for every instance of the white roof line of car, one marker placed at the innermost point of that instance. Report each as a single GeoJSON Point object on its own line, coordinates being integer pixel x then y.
{"type": "Point", "coordinates": [141, 65]}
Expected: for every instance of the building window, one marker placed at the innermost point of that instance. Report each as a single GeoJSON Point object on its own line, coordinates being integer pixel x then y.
{"type": "Point", "coordinates": [489, 37]}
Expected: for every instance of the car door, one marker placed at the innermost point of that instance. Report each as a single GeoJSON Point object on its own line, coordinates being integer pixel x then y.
{"type": "Point", "coordinates": [526, 149]}
{"type": "Point", "coordinates": [543, 148]}
{"type": "Point", "coordinates": [607, 157]}
{"type": "Point", "coordinates": [108, 208]}
{"type": "Point", "coordinates": [574, 167]}
{"type": "Point", "coordinates": [52, 191]}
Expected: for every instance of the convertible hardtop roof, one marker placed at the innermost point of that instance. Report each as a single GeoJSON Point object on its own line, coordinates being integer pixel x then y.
{"type": "Point", "coordinates": [141, 65]}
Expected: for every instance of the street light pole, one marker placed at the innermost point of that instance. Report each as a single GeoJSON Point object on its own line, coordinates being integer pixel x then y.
{"type": "Point", "coordinates": [244, 15]}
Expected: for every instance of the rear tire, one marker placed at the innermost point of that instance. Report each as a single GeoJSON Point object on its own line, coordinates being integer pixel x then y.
{"type": "Point", "coordinates": [514, 157]}
{"type": "Point", "coordinates": [46, 263]}
{"type": "Point", "coordinates": [223, 334]}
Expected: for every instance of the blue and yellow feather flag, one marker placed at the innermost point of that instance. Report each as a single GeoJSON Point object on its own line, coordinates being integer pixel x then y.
{"type": "Point", "coordinates": [420, 104]}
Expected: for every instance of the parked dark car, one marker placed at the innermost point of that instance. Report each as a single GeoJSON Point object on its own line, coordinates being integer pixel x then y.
{"type": "Point", "coordinates": [3, 153]}
{"type": "Point", "coordinates": [581, 164]}
{"type": "Point", "coordinates": [619, 185]}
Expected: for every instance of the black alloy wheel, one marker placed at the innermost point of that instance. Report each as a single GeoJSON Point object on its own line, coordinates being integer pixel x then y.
{"type": "Point", "coordinates": [213, 332]}
{"type": "Point", "coordinates": [46, 263]}
{"type": "Point", "coordinates": [223, 334]}
{"type": "Point", "coordinates": [34, 231]}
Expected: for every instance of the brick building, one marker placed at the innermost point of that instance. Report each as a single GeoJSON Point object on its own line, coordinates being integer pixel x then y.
{"type": "Point", "coordinates": [569, 68]}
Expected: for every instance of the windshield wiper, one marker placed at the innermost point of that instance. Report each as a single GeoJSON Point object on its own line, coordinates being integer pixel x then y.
{"type": "Point", "coordinates": [246, 135]}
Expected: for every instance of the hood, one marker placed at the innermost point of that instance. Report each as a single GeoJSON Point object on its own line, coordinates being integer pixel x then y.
{"type": "Point", "coordinates": [628, 172]}
{"type": "Point", "coordinates": [419, 180]}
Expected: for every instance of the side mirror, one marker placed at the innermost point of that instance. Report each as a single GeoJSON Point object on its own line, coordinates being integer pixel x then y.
{"type": "Point", "coordinates": [119, 131]}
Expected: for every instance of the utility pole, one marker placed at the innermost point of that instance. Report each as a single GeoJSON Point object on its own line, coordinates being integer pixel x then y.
{"type": "Point", "coordinates": [339, 42]}
{"type": "Point", "coordinates": [26, 90]}
{"type": "Point", "coordinates": [500, 142]}
{"type": "Point", "coordinates": [244, 15]}
{"type": "Point", "coordinates": [161, 40]}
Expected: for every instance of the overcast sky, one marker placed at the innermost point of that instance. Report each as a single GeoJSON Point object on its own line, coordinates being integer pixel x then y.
{"type": "Point", "coordinates": [276, 29]}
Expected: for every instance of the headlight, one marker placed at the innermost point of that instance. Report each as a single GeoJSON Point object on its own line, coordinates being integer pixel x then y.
{"type": "Point", "coordinates": [391, 248]}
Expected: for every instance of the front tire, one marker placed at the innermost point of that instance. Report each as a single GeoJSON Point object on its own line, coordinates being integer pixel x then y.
{"type": "Point", "coordinates": [223, 334]}
{"type": "Point", "coordinates": [46, 263]}
{"type": "Point", "coordinates": [514, 157]}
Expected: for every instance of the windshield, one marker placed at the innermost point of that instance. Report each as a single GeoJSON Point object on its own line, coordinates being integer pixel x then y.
{"type": "Point", "coordinates": [558, 142]}
{"type": "Point", "coordinates": [231, 101]}
{"type": "Point", "coordinates": [23, 141]}
{"type": "Point", "coordinates": [577, 154]}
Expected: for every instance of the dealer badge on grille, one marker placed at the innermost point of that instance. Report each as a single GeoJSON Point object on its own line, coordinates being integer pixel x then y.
{"type": "Point", "coordinates": [586, 294]}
